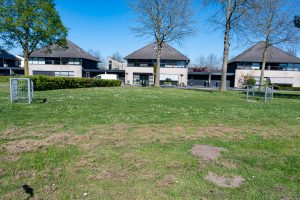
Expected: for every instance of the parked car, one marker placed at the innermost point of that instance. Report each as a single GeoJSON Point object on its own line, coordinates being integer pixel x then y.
{"type": "Point", "coordinates": [108, 76]}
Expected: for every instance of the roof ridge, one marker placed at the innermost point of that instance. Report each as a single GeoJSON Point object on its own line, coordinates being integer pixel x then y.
{"type": "Point", "coordinates": [285, 52]}
{"type": "Point", "coordinates": [148, 52]}
{"type": "Point", "coordinates": [275, 54]}
{"type": "Point", "coordinates": [245, 52]}
{"type": "Point", "coordinates": [71, 47]}
{"type": "Point", "coordinates": [79, 48]}
{"type": "Point", "coordinates": [139, 49]}
{"type": "Point", "coordinates": [177, 51]}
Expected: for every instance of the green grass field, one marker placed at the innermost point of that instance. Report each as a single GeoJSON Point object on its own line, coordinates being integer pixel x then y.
{"type": "Point", "coordinates": [135, 143]}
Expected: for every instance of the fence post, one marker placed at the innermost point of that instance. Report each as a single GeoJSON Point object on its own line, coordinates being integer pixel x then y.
{"type": "Point", "coordinates": [10, 86]}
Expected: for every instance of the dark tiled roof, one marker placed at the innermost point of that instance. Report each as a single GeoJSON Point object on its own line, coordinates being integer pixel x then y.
{"type": "Point", "coordinates": [149, 53]}
{"type": "Point", "coordinates": [73, 51]}
{"type": "Point", "coordinates": [5, 55]}
{"type": "Point", "coordinates": [275, 55]}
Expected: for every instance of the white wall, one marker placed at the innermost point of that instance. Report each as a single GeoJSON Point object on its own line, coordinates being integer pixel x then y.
{"type": "Point", "coordinates": [77, 69]}
{"type": "Point", "coordinates": [163, 71]}
{"type": "Point", "coordinates": [22, 60]}
{"type": "Point", "coordinates": [116, 65]}
{"type": "Point", "coordinates": [239, 76]}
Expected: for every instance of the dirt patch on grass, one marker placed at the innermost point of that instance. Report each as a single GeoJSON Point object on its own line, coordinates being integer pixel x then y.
{"type": "Point", "coordinates": [2, 172]}
{"type": "Point", "coordinates": [109, 174]}
{"type": "Point", "coordinates": [167, 181]}
{"type": "Point", "coordinates": [128, 156]}
{"type": "Point", "coordinates": [218, 130]}
{"type": "Point", "coordinates": [29, 145]}
{"type": "Point", "coordinates": [206, 152]}
{"type": "Point", "coordinates": [210, 154]}
{"type": "Point", "coordinates": [228, 164]}
{"type": "Point", "coordinates": [10, 158]}
{"type": "Point", "coordinates": [38, 131]}
{"type": "Point", "coordinates": [24, 174]}
{"type": "Point", "coordinates": [223, 181]}
{"type": "Point", "coordinates": [119, 135]}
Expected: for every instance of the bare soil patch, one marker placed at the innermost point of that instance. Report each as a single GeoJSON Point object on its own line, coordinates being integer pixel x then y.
{"type": "Point", "coordinates": [29, 145]}
{"type": "Point", "coordinates": [223, 181]}
{"type": "Point", "coordinates": [109, 174]}
{"type": "Point", "coordinates": [211, 154]}
{"type": "Point", "coordinates": [166, 181]}
{"type": "Point", "coordinates": [24, 174]}
{"type": "Point", "coordinates": [10, 158]}
{"type": "Point", "coordinates": [2, 172]}
{"type": "Point", "coordinates": [206, 152]}
{"type": "Point", "coordinates": [228, 164]}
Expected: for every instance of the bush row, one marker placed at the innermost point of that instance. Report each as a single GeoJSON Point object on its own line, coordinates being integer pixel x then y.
{"type": "Point", "coordinates": [4, 79]}
{"type": "Point", "coordinates": [42, 83]}
{"type": "Point", "coordinates": [286, 88]}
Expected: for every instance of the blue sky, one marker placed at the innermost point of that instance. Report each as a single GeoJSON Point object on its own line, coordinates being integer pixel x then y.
{"type": "Point", "coordinates": [105, 25]}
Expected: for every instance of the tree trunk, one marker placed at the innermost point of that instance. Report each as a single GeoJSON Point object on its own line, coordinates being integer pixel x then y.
{"type": "Point", "coordinates": [263, 67]}
{"type": "Point", "coordinates": [157, 67]}
{"type": "Point", "coordinates": [26, 68]}
{"type": "Point", "coordinates": [264, 61]}
{"type": "Point", "coordinates": [223, 87]}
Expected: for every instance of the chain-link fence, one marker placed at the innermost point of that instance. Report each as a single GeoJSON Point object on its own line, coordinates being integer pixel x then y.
{"type": "Point", "coordinates": [256, 92]}
{"type": "Point", "coordinates": [21, 90]}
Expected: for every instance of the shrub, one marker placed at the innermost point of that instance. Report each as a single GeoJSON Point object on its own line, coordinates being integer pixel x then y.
{"type": "Point", "coordinates": [42, 83]}
{"type": "Point", "coordinates": [250, 81]}
{"type": "Point", "coordinates": [168, 80]}
{"type": "Point", "coordinates": [286, 88]}
{"type": "Point", "coordinates": [4, 79]}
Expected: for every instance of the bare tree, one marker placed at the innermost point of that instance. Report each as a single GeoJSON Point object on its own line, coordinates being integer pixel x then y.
{"type": "Point", "coordinates": [292, 51]}
{"type": "Point", "coordinates": [211, 61]}
{"type": "Point", "coordinates": [97, 54]}
{"type": "Point", "coordinates": [200, 61]}
{"type": "Point", "coordinates": [166, 21]}
{"type": "Point", "coordinates": [270, 21]}
{"type": "Point", "coordinates": [117, 56]}
{"type": "Point", "coordinates": [227, 17]}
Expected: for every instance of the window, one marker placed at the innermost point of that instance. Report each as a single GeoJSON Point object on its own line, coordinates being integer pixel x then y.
{"type": "Point", "coordinates": [297, 67]}
{"type": "Point", "coordinates": [74, 61]}
{"type": "Point", "coordinates": [290, 67]}
{"type": "Point", "coordinates": [64, 74]}
{"type": "Point", "coordinates": [286, 67]}
{"type": "Point", "coordinates": [64, 61]}
{"type": "Point", "coordinates": [255, 66]}
{"type": "Point", "coordinates": [48, 61]}
{"type": "Point", "coordinates": [57, 61]}
{"type": "Point", "coordinates": [37, 61]}
{"type": "Point", "coordinates": [181, 64]}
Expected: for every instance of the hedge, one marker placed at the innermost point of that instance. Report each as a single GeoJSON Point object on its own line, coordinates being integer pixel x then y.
{"type": "Point", "coordinates": [4, 79]}
{"type": "Point", "coordinates": [42, 83]}
{"type": "Point", "coordinates": [286, 88]}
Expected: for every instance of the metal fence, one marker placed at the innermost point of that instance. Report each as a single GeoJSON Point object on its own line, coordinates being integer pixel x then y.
{"type": "Point", "coordinates": [257, 92]}
{"type": "Point", "coordinates": [21, 90]}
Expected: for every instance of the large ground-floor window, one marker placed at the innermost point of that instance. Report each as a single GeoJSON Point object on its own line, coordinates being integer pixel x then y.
{"type": "Point", "coordinates": [55, 73]}
{"type": "Point", "coordinates": [141, 79]}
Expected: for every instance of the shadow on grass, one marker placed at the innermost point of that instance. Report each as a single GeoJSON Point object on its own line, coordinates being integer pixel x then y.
{"type": "Point", "coordinates": [277, 95]}
{"type": "Point", "coordinates": [28, 190]}
{"type": "Point", "coordinates": [39, 100]}
{"type": "Point", "coordinates": [287, 95]}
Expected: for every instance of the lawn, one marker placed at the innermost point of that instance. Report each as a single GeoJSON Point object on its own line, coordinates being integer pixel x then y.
{"type": "Point", "coordinates": [136, 143]}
